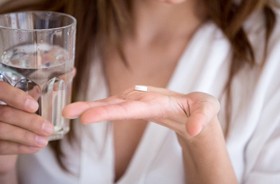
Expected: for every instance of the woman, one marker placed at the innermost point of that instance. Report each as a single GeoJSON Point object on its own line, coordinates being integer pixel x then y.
{"type": "Point", "coordinates": [184, 91]}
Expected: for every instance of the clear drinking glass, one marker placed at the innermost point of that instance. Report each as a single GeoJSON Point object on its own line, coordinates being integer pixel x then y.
{"type": "Point", "coordinates": [37, 51]}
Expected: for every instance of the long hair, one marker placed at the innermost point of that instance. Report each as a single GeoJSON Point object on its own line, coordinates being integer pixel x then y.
{"type": "Point", "coordinates": [105, 22]}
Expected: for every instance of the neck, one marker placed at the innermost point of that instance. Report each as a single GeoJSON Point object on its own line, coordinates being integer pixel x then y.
{"type": "Point", "coordinates": [154, 19]}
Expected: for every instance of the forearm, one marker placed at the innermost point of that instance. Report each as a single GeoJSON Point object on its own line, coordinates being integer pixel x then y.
{"type": "Point", "coordinates": [8, 174]}
{"type": "Point", "coordinates": [206, 159]}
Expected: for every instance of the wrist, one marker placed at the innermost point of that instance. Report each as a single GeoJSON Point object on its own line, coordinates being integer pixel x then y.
{"type": "Point", "coordinates": [205, 156]}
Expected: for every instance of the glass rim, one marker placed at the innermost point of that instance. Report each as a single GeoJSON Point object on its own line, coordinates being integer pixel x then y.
{"type": "Point", "coordinates": [72, 23]}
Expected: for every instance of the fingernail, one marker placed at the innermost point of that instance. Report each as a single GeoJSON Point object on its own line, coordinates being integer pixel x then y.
{"type": "Point", "coordinates": [31, 104]}
{"type": "Point", "coordinates": [41, 140]}
{"type": "Point", "coordinates": [47, 127]}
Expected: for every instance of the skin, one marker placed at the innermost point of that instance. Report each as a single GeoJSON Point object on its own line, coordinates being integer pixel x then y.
{"type": "Point", "coordinates": [30, 131]}
{"type": "Point", "coordinates": [192, 116]}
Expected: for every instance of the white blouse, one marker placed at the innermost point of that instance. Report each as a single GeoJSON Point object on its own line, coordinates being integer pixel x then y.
{"type": "Point", "coordinates": [253, 142]}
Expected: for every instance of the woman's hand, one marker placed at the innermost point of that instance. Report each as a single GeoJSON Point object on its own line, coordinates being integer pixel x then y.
{"type": "Point", "coordinates": [21, 130]}
{"type": "Point", "coordinates": [193, 116]}
{"type": "Point", "coordinates": [187, 114]}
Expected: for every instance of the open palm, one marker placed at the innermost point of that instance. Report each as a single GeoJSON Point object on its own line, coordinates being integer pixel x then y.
{"type": "Point", "coordinates": [185, 114]}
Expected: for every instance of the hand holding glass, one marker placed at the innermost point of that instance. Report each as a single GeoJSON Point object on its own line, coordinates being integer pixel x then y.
{"type": "Point", "coordinates": [37, 55]}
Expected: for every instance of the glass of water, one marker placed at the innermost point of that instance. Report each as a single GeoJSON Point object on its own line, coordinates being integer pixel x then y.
{"type": "Point", "coordinates": [37, 50]}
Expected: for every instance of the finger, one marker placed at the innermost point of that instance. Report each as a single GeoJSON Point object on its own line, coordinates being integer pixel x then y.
{"type": "Point", "coordinates": [195, 125]}
{"type": "Point", "coordinates": [74, 110]}
{"type": "Point", "coordinates": [35, 92]}
{"type": "Point", "coordinates": [27, 121]}
{"type": "Point", "coordinates": [17, 98]}
{"type": "Point", "coordinates": [201, 114]}
{"type": "Point", "coordinates": [68, 75]}
{"type": "Point", "coordinates": [21, 136]}
{"type": "Point", "coordinates": [124, 110]}
{"type": "Point", "coordinates": [132, 104]}
{"type": "Point", "coordinates": [8, 148]}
